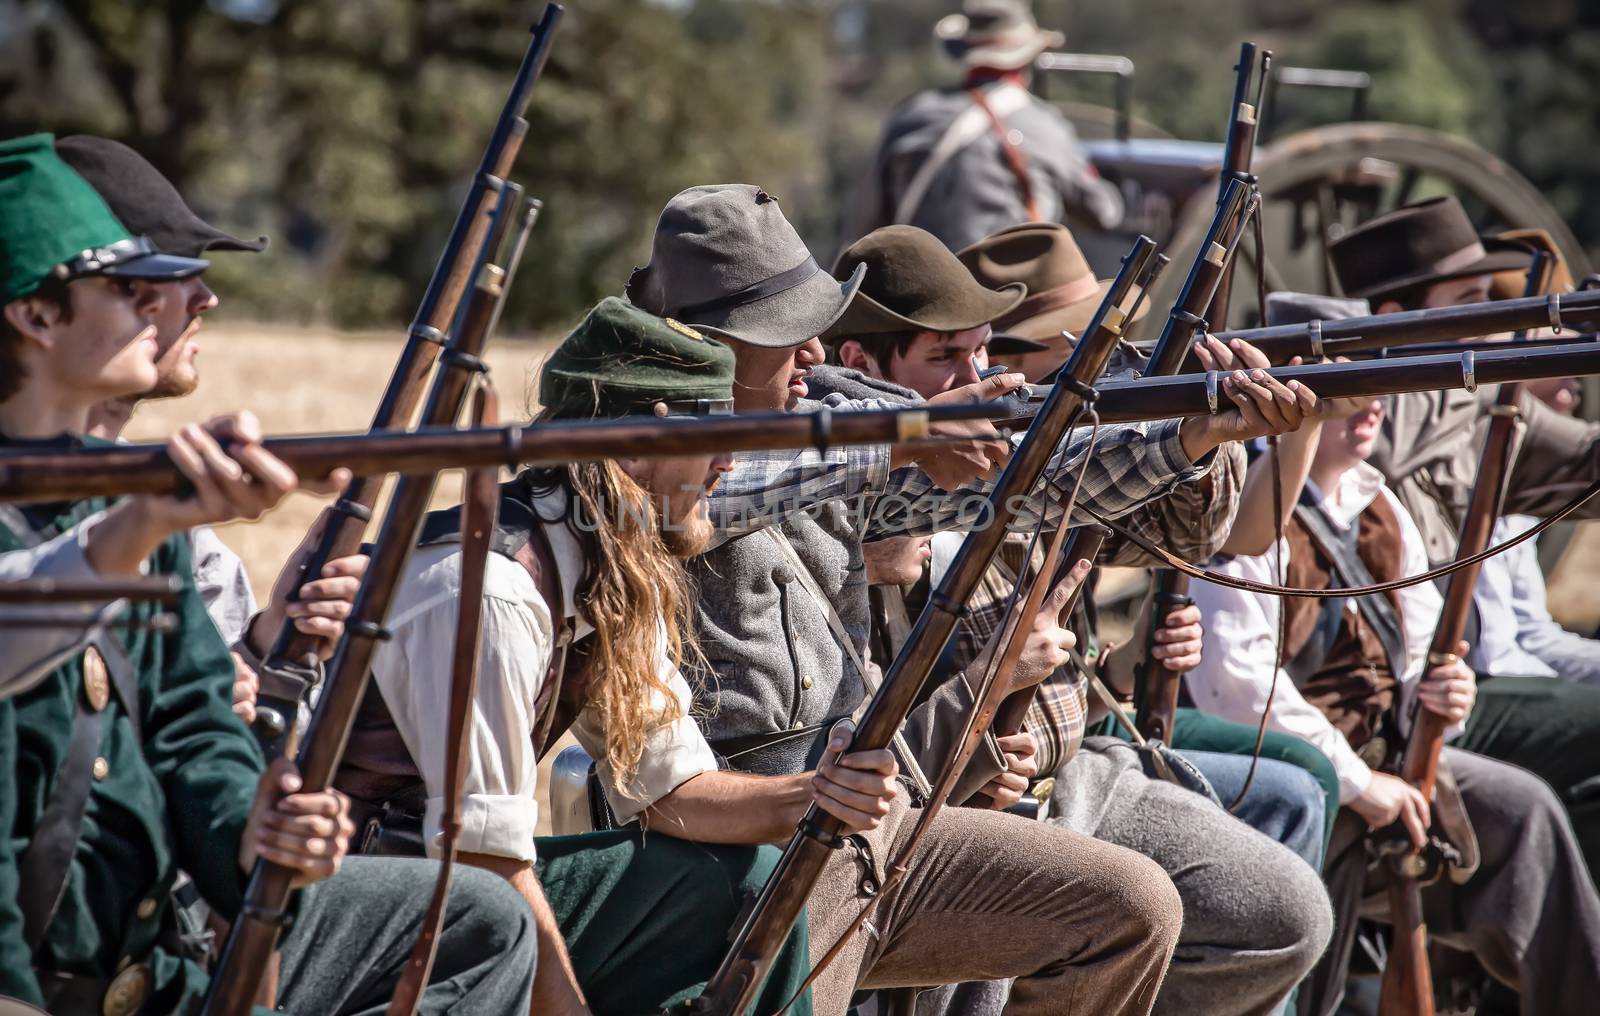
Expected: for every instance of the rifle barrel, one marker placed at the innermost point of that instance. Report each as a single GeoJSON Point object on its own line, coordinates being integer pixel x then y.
{"type": "Point", "coordinates": [111, 471]}
{"type": "Point", "coordinates": [157, 588]}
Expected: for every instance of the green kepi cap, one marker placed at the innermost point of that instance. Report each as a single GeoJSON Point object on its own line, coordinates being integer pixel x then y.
{"type": "Point", "coordinates": [623, 361]}
{"type": "Point", "coordinates": [53, 224]}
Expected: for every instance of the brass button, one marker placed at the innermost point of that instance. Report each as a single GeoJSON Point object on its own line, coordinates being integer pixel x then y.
{"type": "Point", "coordinates": [96, 679]}
{"type": "Point", "coordinates": [102, 768]}
{"type": "Point", "coordinates": [128, 992]}
{"type": "Point", "coordinates": [146, 909]}
{"type": "Point", "coordinates": [797, 725]}
{"type": "Point", "coordinates": [1044, 788]}
{"type": "Point", "coordinates": [806, 683]}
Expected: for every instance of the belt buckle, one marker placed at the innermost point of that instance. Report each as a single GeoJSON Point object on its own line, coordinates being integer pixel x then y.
{"type": "Point", "coordinates": [128, 991]}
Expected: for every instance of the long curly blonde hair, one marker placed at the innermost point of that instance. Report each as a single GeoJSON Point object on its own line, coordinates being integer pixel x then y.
{"type": "Point", "coordinates": [629, 580]}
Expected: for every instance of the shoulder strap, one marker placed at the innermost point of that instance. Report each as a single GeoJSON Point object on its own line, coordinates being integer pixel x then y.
{"type": "Point", "coordinates": [1342, 549]}
{"type": "Point", "coordinates": [967, 127]}
{"type": "Point", "coordinates": [46, 863]}
{"type": "Point", "coordinates": [1010, 150]}
{"type": "Point", "coordinates": [841, 635]}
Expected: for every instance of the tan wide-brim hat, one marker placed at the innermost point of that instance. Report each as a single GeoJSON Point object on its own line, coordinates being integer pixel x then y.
{"type": "Point", "coordinates": [1511, 284]}
{"type": "Point", "coordinates": [1063, 293]}
{"type": "Point", "coordinates": [1000, 34]}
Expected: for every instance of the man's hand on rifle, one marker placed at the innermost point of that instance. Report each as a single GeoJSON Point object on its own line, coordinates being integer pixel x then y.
{"type": "Point", "coordinates": [308, 833]}
{"type": "Point", "coordinates": [984, 453]}
{"type": "Point", "coordinates": [1262, 405]}
{"type": "Point", "coordinates": [1180, 639]}
{"type": "Point", "coordinates": [1020, 752]}
{"type": "Point", "coordinates": [1388, 798]}
{"type": "Point", "coordinates": [854, 787]}
{"type": "Point", "coordinates": [323, 604]}
{"type": "Point", "coordinates": [1049, 641]}
{"type": "Point", "coordinates": [1449, 689]}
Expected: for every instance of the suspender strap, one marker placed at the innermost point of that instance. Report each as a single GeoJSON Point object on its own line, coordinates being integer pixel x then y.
{"type": "Point", "coordinates": [43, 868]}
{"type": "Point", "coordinates": [1343, 551]}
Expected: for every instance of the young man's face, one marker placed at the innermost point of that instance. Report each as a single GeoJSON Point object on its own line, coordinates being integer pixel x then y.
{"type": "Point", "coordinates": [1343, 443]}
{"type": "Point", "coordinates": [678, 488]}
{"type": "Point", "coordinates": [103, 347]}
{"type": "Point", "coordinates": [177, 326]}
{"type": "Point", "coordinates": [933, 362]}
{"type": "Point", "coordinates": [1450, 293]}
{"type": "Point", "coordinates": [896, 561]}
{"type": "Point", "coordinates": [770, 380]}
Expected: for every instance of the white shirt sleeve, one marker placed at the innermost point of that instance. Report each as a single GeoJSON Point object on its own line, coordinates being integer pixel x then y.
{"type": "Point", "coordinates": [498, 809]}
{"type": "Point", "coordinates": [674, 752]}
{"type": "Point", "coordinates": [1239, 666]}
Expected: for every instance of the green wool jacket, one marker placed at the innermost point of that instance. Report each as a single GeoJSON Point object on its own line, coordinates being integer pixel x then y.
{"type": "Point", "coordinates": [178, 798]}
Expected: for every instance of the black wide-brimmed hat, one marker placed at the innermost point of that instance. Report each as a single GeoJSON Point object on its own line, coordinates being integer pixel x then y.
{"type": "Point", "coordinates": [726, 261]}
{"type": "Point", "coordinates": [1418, 245]}
{"type": "Point", "coordinates": [913, 283]}
{"type": "Point", "coordinates": [144, 200]}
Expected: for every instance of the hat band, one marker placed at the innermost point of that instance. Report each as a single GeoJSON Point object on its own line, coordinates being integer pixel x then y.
{"type": "Point", "coordinates": [780, 283]}
{"type": "Point", "coordinates": [1076, 291]}
{"type": "Point", "coordinates": [1471, 254]}
{"type": "Point", "coordinates": [96, 259]}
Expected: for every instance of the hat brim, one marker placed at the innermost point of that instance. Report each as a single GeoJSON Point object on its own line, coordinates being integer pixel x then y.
{"type": "Point", "coordinates": [1495, 261]}
{"type": "Point", "coordinates": [790, 318]}
{"type": "Point", "coordinates": [952, 29]}
{"type": "Point", "coordinates": [156, 266]}
{"type": "Point", "coordinates": [227, 241]}
{"type": "Point", "coordinates": [866, 315]}
{"type": "Point", "coordinates": [1074, 318]}
{"type": "Point", "coordinates": [1007, 344]}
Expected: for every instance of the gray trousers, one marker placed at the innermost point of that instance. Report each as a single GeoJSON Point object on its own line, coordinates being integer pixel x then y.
{"type": "Point", "coordinates": [1530, 913]}
{"type": "Point", "coordinates": [1085, 927]}
{"type": "Point", "coordinates": [354, 932]}
{"type": "Point", "coordinates": [1255, 916]}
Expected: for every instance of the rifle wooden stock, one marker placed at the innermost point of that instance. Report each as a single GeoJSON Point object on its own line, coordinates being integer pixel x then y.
{"type": "Point", "coordinates": [1407, 978]}
{"type": "Point", "coordinates": [762, 934]}
{"type": "Point", "coordinates": [346, 519]}
{"type": "Point", "coordinates": [1136, 400]}
{"type": "Point", "coordinates": [27, 592]}
{"type": "Point", "coordinates": [1579, 311]}
{"type": "Point", "coordinates": [1238, 154]}
{"type": "Point", "coordinates": [145, 469]}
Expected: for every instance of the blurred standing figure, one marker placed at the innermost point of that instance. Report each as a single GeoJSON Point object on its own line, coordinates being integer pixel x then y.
{"type": "Point", "coordinates": [966, 162]}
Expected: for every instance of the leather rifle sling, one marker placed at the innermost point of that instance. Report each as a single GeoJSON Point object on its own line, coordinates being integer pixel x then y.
{"type": "Point", "coordinates": [480, 510]}
{"type": "Point", "coordinates": [1011, 151]}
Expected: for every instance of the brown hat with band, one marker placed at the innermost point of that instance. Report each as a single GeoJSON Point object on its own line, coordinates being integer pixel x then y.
{"type": "Point", "coordinates": [1418, 245]}
{"type": "Point", "coordinates": [1063, 293]}
{"type": "Point", "coordinates": [914, 283]}
{"type": "Point", "coordinates": [1510, 284]}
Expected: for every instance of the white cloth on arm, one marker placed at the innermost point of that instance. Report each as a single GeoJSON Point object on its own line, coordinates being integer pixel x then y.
{"type": "Point", "coordinates": [223, 584]}
{"type": "Point", "coordinates": [499, 812]}
{"type": "Point", "coordinates": [1238, 665]}
{"type": "Point", "coordinates": [30, 654]}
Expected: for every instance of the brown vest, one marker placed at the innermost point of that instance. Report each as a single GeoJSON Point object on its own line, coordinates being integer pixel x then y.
{"type": "Point", "coordinates": [1352, 683]}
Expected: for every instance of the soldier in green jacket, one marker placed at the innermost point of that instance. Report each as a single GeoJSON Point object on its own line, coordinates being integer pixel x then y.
{"type": "Point", "coordinates": [127, 763]}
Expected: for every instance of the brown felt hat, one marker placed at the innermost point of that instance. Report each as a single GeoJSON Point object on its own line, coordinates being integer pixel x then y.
{"type": "Point", "coordinates": [914, 283]}
{"type": "Point", "coordinates": [1063, 293]}
{"type": "Point", "coordinates": [1418, 245]}
{"type": "Point", "coordinates": [1510, 284]}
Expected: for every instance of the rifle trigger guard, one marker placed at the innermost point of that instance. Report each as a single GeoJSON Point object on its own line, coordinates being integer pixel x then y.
{"type": "Point", "coordinates": [1212, 379]}
{"type": "Point", "coordinates": [1553, 302]}
{"type": "Point", "coordinates": [1314, 332]}
{"type": "Point", "coordinates": [428, 333]}
{"type": "Point", "coordinates": [1086, 392]}
{"type": "Point", "coordinates": [822, 428]}
{"type": "Point", "coordinates": [353, 509]}
{"type": "Point", "coordinates": [1469, 372]}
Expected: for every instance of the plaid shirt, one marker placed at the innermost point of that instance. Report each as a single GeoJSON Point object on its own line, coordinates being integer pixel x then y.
{"type": "Point", "coordinates": [1131, 464]}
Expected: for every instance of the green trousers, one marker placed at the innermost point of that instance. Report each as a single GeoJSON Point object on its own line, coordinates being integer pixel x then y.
{"type": "Point", "coordinates": [1552, 729]}
{"type": "Point", "coordinates": [1197, 731]}
{"type": "Point", "coordinates": [646, 918]}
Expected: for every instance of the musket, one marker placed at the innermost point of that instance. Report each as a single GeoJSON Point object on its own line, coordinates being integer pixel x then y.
{"type": "Point", "coordinates": [252, 939]}
{"type": "Point", "coordinates": [762, 933]}
{"type": "Point", "coordinates": [1238, 154]}
{"type": "Point", "coordinates": [1143, 400]}
{"type": "Point", "coordinates": [112, 471]}
{"type": "Point", "coordinates": [1578, 310]}
{"type": "Point", "coordinates": [158, 588]}
{"type": "Point", "coordinates": [1457, 348]}
{"type": "Point", "coordinates": [290, 663]}
{"type": "Point", "coordinates": [1407, 977]}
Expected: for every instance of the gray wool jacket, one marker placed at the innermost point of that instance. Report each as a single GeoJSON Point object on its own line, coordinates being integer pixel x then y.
{"type": "Point", "coordinates": [774, 663]}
